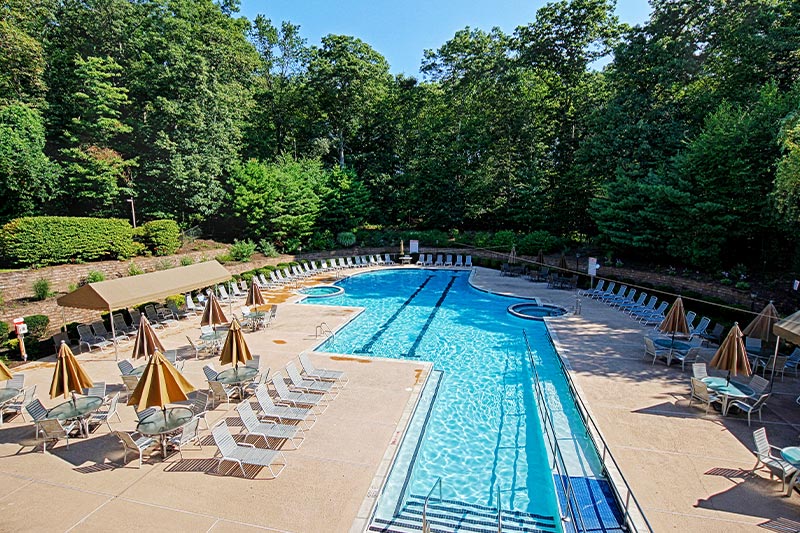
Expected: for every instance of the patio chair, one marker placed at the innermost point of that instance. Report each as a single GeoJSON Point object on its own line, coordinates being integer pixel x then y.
{"type": "Point", "coordinates": [201, 347]}
{"type": "Point", "coordinates": [91, 340]}
{"type": "Point", "coordinates": [448, 261]}
{"type": "Point", "coordinates": [177, 313]}
{"type": "Point", "coordinates": [715, 336]}
{"type": "Point", "coordinates": [349, 263]}
{"type": "Point", "coordinates": [759, 385]}
{"type": "Point", "coordinates": [691, 356]}
{"type": "Point", "coordinates": [133, 442]}
{"type": "Point", "coordinates": [793, 361]}
{"type": "Point", "coordinates": [120, 326]}
{"type": "Point", "coordinates": [775, 465]}
{"type": "Point", "coordinates": [421, 260]}
{"type": "Point", "coordinates": [608, 291]}
{"type": "Point", "coordinates": [380, 261]}
{"type": "Point", "coordinates": [192, 307]}
{"type": "Point", "coordinates": [468, 261]}
{"type": "Point", "coordinates": [262, 379]}
{"type": "Point", "coordinates": [125, 367]}
{"type": "Point", "coordinates": [99, 329]}
{"type": "Point", "coordinates": [52, 429]}
{"type": "Point", "coordinates": [459, 261]}
{"type": "Point", "coordinates": [223, 294]}
{"type": "Point", "coordinates": [200, 406]}
{"type": "Point", "coordinates": [136, 318]}
{"type": "Point", "coordinates": [590, 292]}
{"type": "Point", "coordinates": [608, 297]}
{"type": "Point", "coordinates": [152, 316]}
{"type": "Point", "coordinates": [268, 430]}
{"type": "Point", "coordinates": [699, 370]}
{"type": "Point", "coordinates": [17, 405]}
{"type": "Point", "coordinates": [309, 385]}
{"type": "Point", "coordinates": [210, 372]}
{"type": "Point", "coordinates": [701, 327]}
{"type": "Point", "coordinates": [654, 352]}
{"type": "Point", "coordinates": [701, 393]}
{"type": "Point", "coordinates": [690, 316]}
{"type": "Point", "coordinates": [656, 317]}
{"type": "Point", "coordinates": [312, 372]}
{"type": "Point", "coordinates": [130, 382]}
{"type": "Point", "coordinates": [220, 391]}
{"type": "Point", "coordinates": [638, 302]}
{"type": "Point", "coordinates": [776, 362]}
{"type": "Point", "coordinates": [37, 412]}
{"type": "Point", "coordinates": [751, 408]}
{"type": "Point", "coordinates": [282, 413]}
{"type": "Point", "coordinates": [244, 453]}
{"type": "Point", "coordinates": [189, 433]}
{"type": "Point", "coordinates": [98, 388]}
{"type": "Point", "coordinates": [637, 310]}
{"type": "Point", "coordinates": [17, 381]}
{"type": "Point", "coordinates": [62, 336]}
{"type": "Point", "coordinates": [236, 293]}
{"type": "Point", "coordinates": [105, 416]}
{"type": "Point", "coordinates": [296, 399]}
{"type": "Point", "coordinates": [439, 261]}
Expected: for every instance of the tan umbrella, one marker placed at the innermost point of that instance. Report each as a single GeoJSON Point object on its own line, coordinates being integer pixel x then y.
{"type": "Point", "coordinates": [731, 355]}
{"type": "Point", "coordinates": [761, 326]}
{"type": "Point", "coordinates": [512, 257]}
{"type": "Point", "coordinates": [235, 349]}
{"type": "Point", "coordinates": [212, 314]}
{"type": "Point", "coordinates": [68, 376]}
{"type": "Point", "coordinates": [160, 384]}
{"type": "Point", "coordinates": [675, 321]}
{"type": "Point", "coordinates": [401, 248]}
{"type": "Point", "coordinates": [5, 373]}
{"type": "Point", "coordinates": [146, 342]}
{"type": "Point", "coordinates": [562, 263]}
{"type": "Point", "coordinates": [540, 257]}
{"type": "Point", "coordinates": [254, 296]}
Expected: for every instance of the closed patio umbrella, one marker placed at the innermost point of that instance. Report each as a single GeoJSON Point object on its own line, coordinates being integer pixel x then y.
{"type": "Point", "coordinates": [731, 355]}
{"type": "Point", "coordinates": [160, 384]}
{"type": "Point", "coordinates": [512, 256]}
{"type": "Point", "coordinates": [540, 257]}
{"type": "Point", "coordinates": [235, 349]}
{"type": "Point", "coordinates": [212, 314]}
{"type": "Point", "coordinates": [761, 326]}
{"type": "Point", "coordinates": [254, 296]}
{"type": "Point", "coordinates": [68, 376]}
{"type": "Point", "coordinates": [146, 342]}
{"type": "Point", "coordinates": [675, 321]}
{"type": "Point", "coordinates": [5, 373]}
{"type": "Point", "coordinates": [562, 263]}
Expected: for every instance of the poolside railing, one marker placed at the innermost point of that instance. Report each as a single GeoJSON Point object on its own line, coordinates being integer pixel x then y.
{"type": "Point", "coordinates": [633, 512]}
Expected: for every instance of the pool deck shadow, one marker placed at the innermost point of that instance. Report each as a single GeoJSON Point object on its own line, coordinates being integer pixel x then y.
{"type": "Point", "coordinates": [670, 453]}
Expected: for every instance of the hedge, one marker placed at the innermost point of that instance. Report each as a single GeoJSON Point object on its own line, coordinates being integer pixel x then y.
{"type": "Point", "coordinates": [162, 237]}
{"type": "Point", "coordinates": [40, 241]}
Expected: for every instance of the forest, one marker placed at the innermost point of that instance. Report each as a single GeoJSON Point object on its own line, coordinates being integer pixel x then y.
{"type": "Point", "coordinates": [683, 147]}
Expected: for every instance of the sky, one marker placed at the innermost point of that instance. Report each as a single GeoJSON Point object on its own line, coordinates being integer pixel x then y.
{"type": "Point", "coordinates": [401, 30]}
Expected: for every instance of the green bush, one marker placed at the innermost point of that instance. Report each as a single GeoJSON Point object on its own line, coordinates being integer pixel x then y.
{"type": "Point", "coordinates": [266, 269]}
{"type": "Point", "coordinates": [346, 238]}
{"type": "Point", "coordinates": [224, 258]}
{"type": "Point", "coordinates": [242, 250]}
{"type": "Point", "coordinates": [41, 289]}
{"type": "Point", "coordinates": [95, 276]}
{"type": "Point", "coordinates": [742, 285]}
{"type": "Point", "coordinates": [267, 248]}
{"type": "Point", "coordinates": [4, 329]}
{"type": "Point", "coordinates": [186, 261]}
{"type": "Point", "coordinates": [291, 245]}
{"type": "Point", "coordinates": [39, 241]}
{"type": "Point", "coordinates": [176, 299]}
{"type": "Point", "coordinates": [502, 241]}
{"type": "Point", "coordinates": [164, 264]}
{"type": "Point", "coordinates": [531, 243]}
{"type": "Point", "coordinates": [162, 237]}
{"type": "Point", "coordinates": [247, 276]}
{"type": "Point", "coordinates": [37, 326]}
{"type": "Point", "coordinates": [134, 269]}
{"type": "Point", "coordinates": [323, 241]}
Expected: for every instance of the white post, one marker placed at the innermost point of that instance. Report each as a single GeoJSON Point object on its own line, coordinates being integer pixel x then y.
{"type": "Point", "coordinates": [113, 334]}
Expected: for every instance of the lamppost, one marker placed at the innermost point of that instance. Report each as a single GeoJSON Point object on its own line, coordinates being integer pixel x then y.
{"type": "Point", "coordinates": [133, 211]}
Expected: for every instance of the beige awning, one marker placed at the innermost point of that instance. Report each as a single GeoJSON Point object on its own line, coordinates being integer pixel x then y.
{"type": "Point", "coordinates": [789, 328]}
{"type": "Point", "coordinates": [134, 290]}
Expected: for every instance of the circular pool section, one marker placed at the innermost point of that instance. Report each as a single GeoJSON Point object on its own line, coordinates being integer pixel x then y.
{"type": "Point", "coordinates": [535, 311]}
{"type": "Point", "coordinates": [322, 291]}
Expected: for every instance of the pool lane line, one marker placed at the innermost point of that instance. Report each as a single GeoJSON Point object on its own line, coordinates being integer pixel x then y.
{"type": "Point", "coordinates": [367, 348]}
{"type": "Point", "coordinates": [413, 351]}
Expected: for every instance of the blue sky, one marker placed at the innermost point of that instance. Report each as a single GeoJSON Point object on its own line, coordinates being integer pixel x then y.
{"type": "Point", "coordinates": [401, 30]}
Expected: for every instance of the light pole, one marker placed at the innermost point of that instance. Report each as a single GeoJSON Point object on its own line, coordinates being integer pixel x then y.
{"type": "Point", "coordinates": [133, 211]}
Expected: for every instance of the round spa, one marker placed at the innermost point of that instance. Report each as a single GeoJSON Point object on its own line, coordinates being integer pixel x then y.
{"type": "Point", "coordinates": [535, 311]}
{"type": "Point", "coordinates": [322, 291]}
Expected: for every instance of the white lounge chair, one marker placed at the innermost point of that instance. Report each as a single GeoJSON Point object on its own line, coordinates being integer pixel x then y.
{"type": "Point", "coordinates": [459, 261]}
{"type": "Point", "coordinates": [320, 373]}
{"type": "Point", "coordinates": [439, 260]}
{"type": "Point", "coordinates": [296, 399]}
{"type": "Point", "coordinates": [387, 259]}
{"type": "Point", "coordinates": [309, 385]}
{"type": "Point", "coordinates": [448, 261]}
{"type": "Point", "coordinates": [268, 430]}
{"type": "Point", "coordinates": [281, 413]}
{"type": "Point", "coordinates": [468, 261]}
{"type": "Point", "coordinates": [244, 453]}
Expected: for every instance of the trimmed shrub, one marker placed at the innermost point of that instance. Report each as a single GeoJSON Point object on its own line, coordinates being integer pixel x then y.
{"type": "Point", "coordinates": [346, 238]}
{"type": "Point", "coordinates": [37, 326]}
{"type": "Point", "coordinates": [502, 241]}
{"type": "Point", "coordinates": [162, 237]}
{"type": "Point", "coordinates": [531, 243]}
{"type": "Point", "coordinates": [176, 299]}
{"type": "Point", "coordinates": [323, 241]}
{"type": "Point", "coordinates": [224, 258]}
{"type": "Point", "coordinates": [134, 269]}
{"type": "Point", "coordinates": [41, 289]}
{"type": "Point", "coordinates": [95, 276]}
{"type": "Point", "coordinates": [39, 241]}
{"type": "Point", "coordinates": [267, 248]}
{"type": "Point", "coordinates": [242, 250]}
{"type": "Point", "coordinates": [186, 261]}
{"type": "Point", "coordinates": [164, 264]}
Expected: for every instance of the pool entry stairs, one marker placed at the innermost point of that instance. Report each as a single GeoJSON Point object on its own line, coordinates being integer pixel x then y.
{"type": "Point", "coordinates": [454, 516]}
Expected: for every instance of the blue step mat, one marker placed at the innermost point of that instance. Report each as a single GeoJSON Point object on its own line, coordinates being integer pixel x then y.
{"type": "Point", "coordinates": [596, 503]}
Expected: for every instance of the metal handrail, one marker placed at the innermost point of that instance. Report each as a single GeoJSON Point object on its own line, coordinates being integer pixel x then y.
{"type": "Point", "coordinates": [499, 514]}
{"type": "Point", "coordinates": [425, 526]}
{"type": "Point", "coordinates": [603, 451]}
{"type": "Point", "coordinates": [324, 330]}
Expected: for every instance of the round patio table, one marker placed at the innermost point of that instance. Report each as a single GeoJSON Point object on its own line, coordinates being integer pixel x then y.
{"type": "Point", "coordinates": [792, 456]}
{"type": "Point", "coordinates": [214, 338]}
{"type": "Point", "coordinates": [6, 395]}
{"type": "Point", "coordinates": [236, 376]}
{"type": "Point", "coordinates": [405, 259]}
{"type": "Point", "coordinates": [163, 423]}
{"type": "Point", "coordinates": [255, 319]}
{"type": "Point", "coordinates": [78, 409]}
{"type": "Point", "coordinates": [729, 390]}
{"type": "Point", "coordinates": [675, 345]}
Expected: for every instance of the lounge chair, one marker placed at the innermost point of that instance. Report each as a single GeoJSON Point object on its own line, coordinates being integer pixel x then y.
{"type": "Point", "coordinates": [136, 318]}
{"type": "Point", "coordinates": [220, 391]}
{"type": "Point", "coordinates": [654, 317]}
{"type": "Point", "coordinates": [715, 336]}
{"type": "Point", "coordinates": [320, 373]}
{"type": "Point", "coordinates": [53, 429]}
{"type": "Point", "coordinates": [120, 326]}
{"type": "Point", "coordinates": [701, 393]}
{"type": "Point", "coordinates": [190, 433]}
{"type": "Point", "coordinates": [690, 316]}
{"type": "Point", "coordinates": [751, 408]}
{"type": "Point", "coordinates": [421, 260]}
{"type": "Point", "coordinates": [388, 259]}
{"type": "Point", "coordinates": [282, 413]}
{"type": "Point", "coordinates": [775, 465]}
{"type": "Point", "coordinates": [379, 261]}
{"type": "Point", "coordinates": [268, 430]}
{"type": "Point", "coordinates": [296, 399]}
{"type": "Point", "coordinates": [459, 261]}
{"type": "Point", "coordinates": [177, 313]}
{"type": "Point", "coordinates": [637, 310]}
{"type": "Point", "coordinates": [639, 302]}
{"type": "Point", "coordinates": [244, 453]}
{"type": "Point", "coordinates": [172, 357]}
{"type": "Point", "coordinates": [429, 260]}
{"type": "Point", "coordinates": [152, 316]}
{"type": "Point", "coordinates": [63, 336]}
{"type": "Point", "coordinates": [701, 328]}
{"type": "Point", "coordinates": [91, 340]}
{"type": "Point", "coordinates": [468, 261]}
{"type": "Point", "coordinates": [612, 296]}
{"type": "Point", "coordinates": [125, 367]}
{"type": "Point", "coordinates": [134, 442]}
{"type": "Point", "coordinates": [200, 347]}
{"type": "Point", "coordinates": [439, 261]}
{"type": "Point", "coordinates": [608, 291]}
{"type": "Point", "coordinates": [309, 385]}
{"type": "Point", "coordinates": [262, 379]}
{"type": "Point", "coordinates": [793, 361]}
{"type": "Point", "coordinates": [99, 329]}
{"type": "Point", "coordinates": [590, 292]}
{"type": "Point", "coordinates": [349, 263]}
{"type": "Point", "coordinates": [448, 262]}
{"type": "Point", "coordinates": [236, 293]}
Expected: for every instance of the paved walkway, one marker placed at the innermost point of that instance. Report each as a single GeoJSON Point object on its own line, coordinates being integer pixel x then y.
{"type": "Point", "coordinates": [691, 472]}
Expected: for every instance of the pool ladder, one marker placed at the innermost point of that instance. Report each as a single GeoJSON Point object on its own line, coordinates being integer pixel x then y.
{"type": "Point", "coordinates": [426, 526]}
{"type": "Point", "coordinates": [323, 330]}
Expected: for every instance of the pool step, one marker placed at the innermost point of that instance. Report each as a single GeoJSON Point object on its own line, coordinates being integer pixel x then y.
{"type": "Point", "coordinates": [454, 516]}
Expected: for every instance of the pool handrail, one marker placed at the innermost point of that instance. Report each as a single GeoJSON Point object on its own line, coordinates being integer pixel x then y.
{"type": "Point", "coordinates": [606, 457]}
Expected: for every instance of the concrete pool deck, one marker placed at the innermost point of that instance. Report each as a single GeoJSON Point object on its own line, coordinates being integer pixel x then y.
{"type": "Point", "coordinates": [691, 472]}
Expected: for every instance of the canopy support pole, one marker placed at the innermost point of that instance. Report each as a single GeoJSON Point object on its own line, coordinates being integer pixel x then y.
{"type": "Point", "coordinates": [113, 334]}
{"type": "Point", "coordinates": [775, 357]}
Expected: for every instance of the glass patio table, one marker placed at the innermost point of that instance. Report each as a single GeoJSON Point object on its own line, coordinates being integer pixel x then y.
{"type": "Point", "coordinates": [730, 390]}
{"type": "Point", "coordinates": [6, 395]}
{"type": "Point", "coordinates": [237, 376]}
{"type": "Point", "coordinates": [679, 346]}
{"type": "Point", "coordinates": [77, 409]}
{"type": "Point", "coordinates": [792, 456]}
{"type": "Point", "coordinates": [164, 423]}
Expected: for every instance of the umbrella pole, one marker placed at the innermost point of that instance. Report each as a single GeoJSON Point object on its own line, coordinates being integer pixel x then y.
{"type": "Point", "coordinates": [775, 358]}
{"type": "Point", "coordinates": [113, 334]}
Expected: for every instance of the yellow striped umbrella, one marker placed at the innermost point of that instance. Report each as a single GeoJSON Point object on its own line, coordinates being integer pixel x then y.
{"type": "Point", "coordinates": [68, 376]}
{"type": "Point", "coordinates": [5, 373]}
{"type": "Point", "coordinates": [212, 314]}
{"type": "Point", "coordinates": [761, 326]}
{"type": "Point", "coordinates": [675, 321]}
{"type": "Point", "coordinates": [235, 349]}
{"type": "Point", "coordinates": [254, 296]}
{"type": "Point", "coordinates": [160, 384]}
{"type": "Point", "coordinates": [731, 354]}
{"type": "Point", "coordinates": [146, 342]}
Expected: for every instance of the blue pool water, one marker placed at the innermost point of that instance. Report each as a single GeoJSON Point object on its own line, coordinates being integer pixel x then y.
{"type": "Point", "coordinates": [484, 434]}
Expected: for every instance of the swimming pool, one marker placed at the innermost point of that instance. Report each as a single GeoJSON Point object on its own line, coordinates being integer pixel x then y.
{"type": "Point", "coordinates": [483, 435]}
